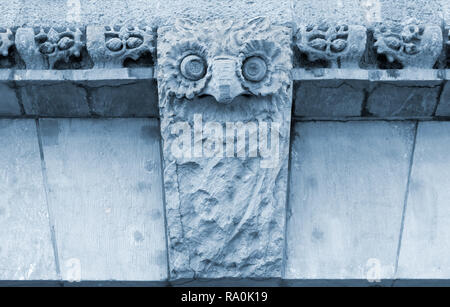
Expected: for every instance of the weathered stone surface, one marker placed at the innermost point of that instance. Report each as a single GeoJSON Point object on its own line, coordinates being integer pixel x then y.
{"type": "Point", "coordinates": [225, 212]}
{"type": "Point", "coordinates": [26, 251]}
{"type": "Point", "coordinates": [205, 10]}
{"type": "Point", "coordinates": [367, 12]}
{"type": "Point", "coordinates": [347, 188]}
{"type": "Point", "coordinates": [341, 11]}
{"type": "Point", "coordinates": [443, 108]}
{"type": "Point", "coordinates": [391, 100]}
{"type": "Point", "coordinates": [44, 48]}
{"type": "Point", "coordinates": [105, 192]}
{"type": "Point", "coordinates": [329, 98]}
{"type": "Point", "coordinates": [9, 104]}
{"type": "Point", "coordinates": [135, 99]}
{"type": "Point", "coordinates": [425, 246]}
{"type": "Point", "coordinates": [6, 41]}
{"type": "Point", "coordinates": [446, 11]}
{"type": "Point", "coordinates": [412, 44]}
{"type": "Point", "coordinates": [54, 99]}
{"type": "Point", "coordinates": [341, 45]}
{"type": "Point", "coordinates": [394, 11]}
{"type": "Point", "coordinates": [110, 46]}
{"type": "Point", "coordinates": [150, 12]}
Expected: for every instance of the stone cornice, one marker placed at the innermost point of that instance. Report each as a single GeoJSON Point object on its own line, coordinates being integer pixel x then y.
{"type": "Point", "coordinates": [333, 45]}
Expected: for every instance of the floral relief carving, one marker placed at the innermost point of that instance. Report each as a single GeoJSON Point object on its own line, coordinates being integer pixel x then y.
{"type": "Point", "coordinates": [411, 44]}
{"type": "Point", "coordinates": [6, 41]}
{"type": "Point", "coordinates": [341, 45]}
{"type": "Point", "coordinates": [43, 48]}
{"type": "Point", "coordinates": [110, 46]}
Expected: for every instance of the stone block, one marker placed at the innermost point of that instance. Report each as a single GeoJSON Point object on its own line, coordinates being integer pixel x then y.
{"type": "Point", "coordinates": [347, 189]}
{"type": "Point", "coordinates": [134, 99]}
{"type": "Point", "coordinates": [392, 100]}
{"type": "Point", "coordinates": [443, 108]}
{"type": "Point", "coordinates": [26, 251]}
{"type": "Point", "coordinates": [54, 99]}
{"type": "Point", "coordinates": [9, 104]}
{"type": "Point", "coordinates": [425, 246]}
{"type": "Point", "coordinates": [105, 191]}
{"type": "Point", "coordinates": [328, 98]}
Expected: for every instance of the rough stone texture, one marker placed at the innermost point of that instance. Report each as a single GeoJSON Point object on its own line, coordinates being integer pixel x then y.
{"type": "Point", "coordinates": [110, 46]}
{"type": "Point", "coordinates": [225, 214]}
{"type": "Point", "coordinates": [339, 44]}
{"type": "Point", "coordinates": [425, 244]}
{"type": "Point", "coordinates": [446, 11]}
{"type": "Point", "coordinates": [443, 108]}
{"type": "Point", "coordinates": [105, 191]}
{"type": "Point", "coordinates": [367, 12]}
{"type": "Point", "coordinates": [412, 44]}
{"type": "Point", "coordinates": [9, 104]}
{"type": "Point", "coordinates": [54, 99]}
{"type": "Point", "coordinates": [134, 99]}
{"type": "Point", "coordinates": [150, 12]}
{"type": "Point", "coordinates": [316, 12]}
{"type": "Point", "coordinates": [347, 190]}
{"type": "Point", "coordinates": [156, 12]}
{"type": "Point", "coordinates": [329, 98]}
{"type": "Point", "coordinates": [391, 100]}
{"type": "Point", "coordinates": [26, 251]}
{"type": "Point", "coordinates": [395, 11]}
{"type": "Point", "coordinates": [44, 48]}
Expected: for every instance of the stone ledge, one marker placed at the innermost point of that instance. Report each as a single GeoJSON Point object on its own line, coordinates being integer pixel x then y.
{"type": "Point", "coordinates": [121, 92]}
{"type": "Point", "coordinates": [323, 94]}
{"type": "Point", "coordinates": [373, 75]}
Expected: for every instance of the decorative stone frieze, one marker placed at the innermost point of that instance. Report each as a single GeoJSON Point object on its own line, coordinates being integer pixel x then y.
{"type": "Point", "coordinates": [44, 48]}
{"type": "Point", "coordinates": [6, 41]}
{"type": "Point", "coordinates": [340, 45]}
{"type": "Point", "coordinates": [413, 45]}
{"type": "Point", "coordinates": [223, 85]}
{"type": "Point", "coordinates": [110, 46]}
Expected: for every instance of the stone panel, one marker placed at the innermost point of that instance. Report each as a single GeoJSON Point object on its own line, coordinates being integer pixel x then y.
{"type": "Point", "coordinates": [347, 189]}
{"type": "Point", "coordinates": [105, 191]}
{"type": "Point", "coordinates": [54, 99]}
{"type": "Point", "coordinates": [425, 247]}
{"type": "Point", "coordinates": [443, 108]}
{"type": "Point", "coordinates": [9, 104]}
{"type": "Point", "coordinates": [391, 100]}
{"type": "Point", "coordinates": [328, 98]}
{"type": "Point", "coordinates": [367, 12]}
{"type": "Point", "coordinates": [135, 99]}
{"type": "Point", "coordinates": [26, 251]}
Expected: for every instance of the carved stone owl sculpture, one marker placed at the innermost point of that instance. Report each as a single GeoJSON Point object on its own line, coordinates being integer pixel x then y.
{"type": "Point", "coordinates": [225, 206]}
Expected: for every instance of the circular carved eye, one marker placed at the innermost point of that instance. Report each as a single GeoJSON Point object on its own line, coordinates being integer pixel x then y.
{"type": "Point", "coordinates": [254, 69]}
{"type": "Point", "coordinates": [193, 67]}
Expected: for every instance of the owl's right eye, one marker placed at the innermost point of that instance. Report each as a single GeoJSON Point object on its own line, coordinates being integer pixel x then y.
{"type": "Point", "coordinates": [193, 67]}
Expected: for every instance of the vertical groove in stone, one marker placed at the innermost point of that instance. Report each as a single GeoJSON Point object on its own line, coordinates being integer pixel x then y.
{"type": "Point", "coordinates": [50, 213]}
{"type": "Point", "coordinates": [164, 202]}
{"type": "Point", "coordinates": [405, 203]}
{"type": "Point", "coordinates": [288, 207]}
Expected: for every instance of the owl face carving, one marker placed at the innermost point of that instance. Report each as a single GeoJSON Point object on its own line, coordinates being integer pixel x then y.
{"type": "Point", "coordinates": [223, 59]}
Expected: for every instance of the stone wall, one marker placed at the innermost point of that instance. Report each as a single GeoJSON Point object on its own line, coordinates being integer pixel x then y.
{"type": "Point", "coordinates": [95, 96]}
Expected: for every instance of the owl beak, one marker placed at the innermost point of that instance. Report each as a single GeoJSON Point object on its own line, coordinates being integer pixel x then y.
{"type": "Point", "coordinates": [224, 85]}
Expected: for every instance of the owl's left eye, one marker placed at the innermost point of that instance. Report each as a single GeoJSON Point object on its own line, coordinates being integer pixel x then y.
{"type": "Point", "coordinates": [193, 67]}
{"type": "Point", "coordinates": [254, 69]}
